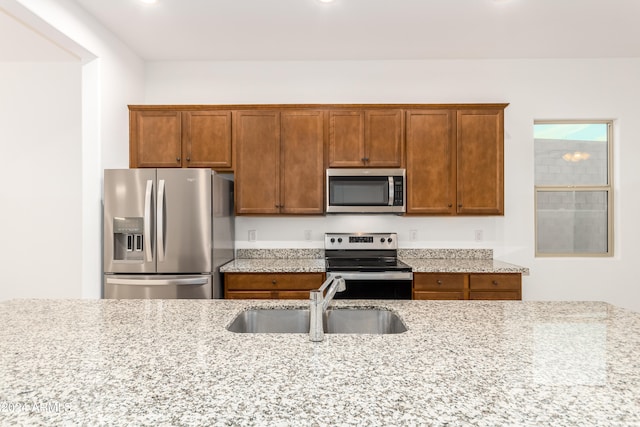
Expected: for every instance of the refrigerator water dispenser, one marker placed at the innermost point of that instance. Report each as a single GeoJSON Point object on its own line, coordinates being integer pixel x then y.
{"type": "Point", "coordinates": [128, 239]}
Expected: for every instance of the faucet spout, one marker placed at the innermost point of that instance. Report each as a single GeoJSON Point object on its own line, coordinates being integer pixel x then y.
{"type": "Point", "coordinates": [319, 303]}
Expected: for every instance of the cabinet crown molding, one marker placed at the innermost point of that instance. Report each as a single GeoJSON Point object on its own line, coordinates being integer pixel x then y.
{"type": "Point", "coordinates": [187, 107]}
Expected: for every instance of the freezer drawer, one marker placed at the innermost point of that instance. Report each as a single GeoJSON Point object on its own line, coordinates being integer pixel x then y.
{"type": "Point", "coordinates": [157, 286]}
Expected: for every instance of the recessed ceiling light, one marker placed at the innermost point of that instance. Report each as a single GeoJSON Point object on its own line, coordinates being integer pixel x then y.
{"type": "Point", "coordinates": [149, 1]}
{"type": "Point", "coordinates": [326, 1]}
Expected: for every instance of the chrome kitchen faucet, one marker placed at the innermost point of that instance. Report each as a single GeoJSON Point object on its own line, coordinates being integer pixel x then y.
{"type": "Point", "coordinates": [319, 305]}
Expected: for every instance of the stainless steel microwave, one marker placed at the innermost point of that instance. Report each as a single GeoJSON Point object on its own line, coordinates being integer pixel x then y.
{"type": "Point", "coordinates": [366, 191]}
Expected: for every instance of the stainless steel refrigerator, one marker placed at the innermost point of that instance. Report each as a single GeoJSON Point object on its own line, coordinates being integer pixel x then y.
{"type": "Point", "coordinates": [166, 232]}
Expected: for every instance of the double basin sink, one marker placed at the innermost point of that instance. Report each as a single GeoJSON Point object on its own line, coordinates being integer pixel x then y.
{"type": "Point", "coordinates": [335, 321]}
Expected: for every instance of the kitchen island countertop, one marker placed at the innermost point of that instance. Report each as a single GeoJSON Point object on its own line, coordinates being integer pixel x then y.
{"type": "Point", "coordinates": [172, 362]}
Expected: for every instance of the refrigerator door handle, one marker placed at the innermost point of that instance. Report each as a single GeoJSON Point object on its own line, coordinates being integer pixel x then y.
{"type": "Point", "coordinates": [160, 224]}
{"type": "Point", "coordinates": [147, 221]}
{"type": "Point", "coordinates": [157, 282]}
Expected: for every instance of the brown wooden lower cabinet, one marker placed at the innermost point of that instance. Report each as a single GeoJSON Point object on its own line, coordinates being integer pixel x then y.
{"type": "Point", "coordinates": [271, 285]}
{"type": "Point", "coordinates": [463, 286]}
{"type": "Point", "coordinates": [426, 286]}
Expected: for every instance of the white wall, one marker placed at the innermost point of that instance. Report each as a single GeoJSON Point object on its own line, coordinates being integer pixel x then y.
{"type": "Point", "coordinates": [40, 180]}
{"type": "Point", "coordinates": [112, 76]}
{"type": "Point", "coordinates": [535, 89]}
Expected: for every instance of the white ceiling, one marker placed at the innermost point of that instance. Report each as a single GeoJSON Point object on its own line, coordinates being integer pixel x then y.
{"type": "Point", "coordinates": [372, 29]}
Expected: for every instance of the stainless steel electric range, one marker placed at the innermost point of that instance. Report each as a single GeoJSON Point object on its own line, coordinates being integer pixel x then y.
{"type": "Point", "coordinates": [369, 264]}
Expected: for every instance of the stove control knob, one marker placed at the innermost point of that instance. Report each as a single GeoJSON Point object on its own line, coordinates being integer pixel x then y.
{"type": "Point", "coordinates": [382, 240]}
{"type": "Point", "coordinates": [389, 240]}
{"type": "Point", "coordinates": [339, 239]}
{"type": "Point", "coordinates": [333, 240]}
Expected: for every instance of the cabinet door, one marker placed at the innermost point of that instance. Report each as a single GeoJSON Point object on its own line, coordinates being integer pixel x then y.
{"type": "Point", "coordinates": [431, 162]}
{"type": "Point", "coordinates": [480, 146]}
{"type": "Point", "coordinates": [258, 164]}
{"type": "Point", "coordinates": [206, 139]}
{"type": "Point", "coordinates": [155, 139]}
{"type": "Point", "coordinates": [384, 133]}
{"type": "Point", "coordinates": [346, 139]}
{"type": "Point", "coordinates": [302, 172]}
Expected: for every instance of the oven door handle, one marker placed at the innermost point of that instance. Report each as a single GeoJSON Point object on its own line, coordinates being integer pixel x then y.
{"type": "Point", "coordinates": [381, 275]}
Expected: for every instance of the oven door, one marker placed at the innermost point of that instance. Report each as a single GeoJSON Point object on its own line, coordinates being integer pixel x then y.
{"type": "Point", "coordinates": [375, 285]}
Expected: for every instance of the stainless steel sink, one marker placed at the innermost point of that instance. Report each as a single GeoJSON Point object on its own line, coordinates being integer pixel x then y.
{"type": "Point", "coordinates": [362, 321]}
{"type": "Point", "coordinates": [336, 321]}
{"type": "Point", "coordinates": [279, 321]}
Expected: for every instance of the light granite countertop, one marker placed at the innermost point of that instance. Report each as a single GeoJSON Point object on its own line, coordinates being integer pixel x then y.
{"type": "Point", "coordinates": [296, 265]}
{"type": "Point", "coordinates": [461, 363]}
{"type": "Point", "coordinates": [463, 266]}
{"type": "Point", "coordinates": [274, 265]}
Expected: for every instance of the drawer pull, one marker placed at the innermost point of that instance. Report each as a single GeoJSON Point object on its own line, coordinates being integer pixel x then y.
{"type": "Point", "coordinates": [495, 282]}
{"type": "Point", "coordinates": [439, 282]}
{"type": "Point", "coordinates": [274, 281]}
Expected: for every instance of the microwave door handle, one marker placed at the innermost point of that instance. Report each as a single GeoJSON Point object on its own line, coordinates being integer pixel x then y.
{"type": "Point", "coordinates": [161, 219]}
{"type": "Point", "coordinates": [147, 221]}
{"type": "Point", "coordinates": [390, 191]}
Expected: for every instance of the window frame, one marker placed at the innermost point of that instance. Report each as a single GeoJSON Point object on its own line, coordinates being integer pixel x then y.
{"type": "Point", "coordinates": [608, 188]}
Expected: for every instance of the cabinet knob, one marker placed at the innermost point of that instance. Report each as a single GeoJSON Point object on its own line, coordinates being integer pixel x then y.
{"type": "Point", "coordinates": [188, 159]}
{"type": "Point", "coordinates": [274, 281]}
{"type": "Point", "coordinates": [450, 205]}
{"type": "Point", "coordinates": [177, 159]}
{"type": "Point", "coordinates": [495, 282]}
{"type": "Point", "coordinates": [460, 205]}
{"type": "Point", "coordinates": [439, 282]}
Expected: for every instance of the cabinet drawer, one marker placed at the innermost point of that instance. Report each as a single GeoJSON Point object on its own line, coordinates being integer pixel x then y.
{"type": "Point", "coordinates": [495, 282]}
{"type": "Point", "coordinates": [439, 282]}
{"type": "Point", "coordinates": [429, 295]}
{"type": "Point", "coordinates": [275, 281]}
{"type": "Point", "coordinates": [490, 295]}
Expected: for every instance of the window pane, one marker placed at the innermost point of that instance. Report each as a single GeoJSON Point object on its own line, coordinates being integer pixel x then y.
{"type": "Point", "coordinates": [572, 222]}
{"type": "Point", "coordinates": [571, 154]}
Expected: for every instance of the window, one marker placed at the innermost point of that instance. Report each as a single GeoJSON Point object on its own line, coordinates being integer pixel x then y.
{"type": "Point", "coordinates": [573, 188]}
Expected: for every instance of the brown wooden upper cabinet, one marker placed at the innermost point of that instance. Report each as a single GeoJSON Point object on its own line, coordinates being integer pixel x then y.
{"type": "Point", "coordinates": [453, 152]}
{"type": "Point", "coordinates": [455, 161]}
{"type": "Point", "coordinates": [174, 138]}
{"type": "Point", "coordinates": [280, 162]}
{"type": "Point", "coordinates": [480, 159]}
{"type": "Point", "coordinates": [366, 138]}
{"type": "Point", "coordinates": [431, 162]}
